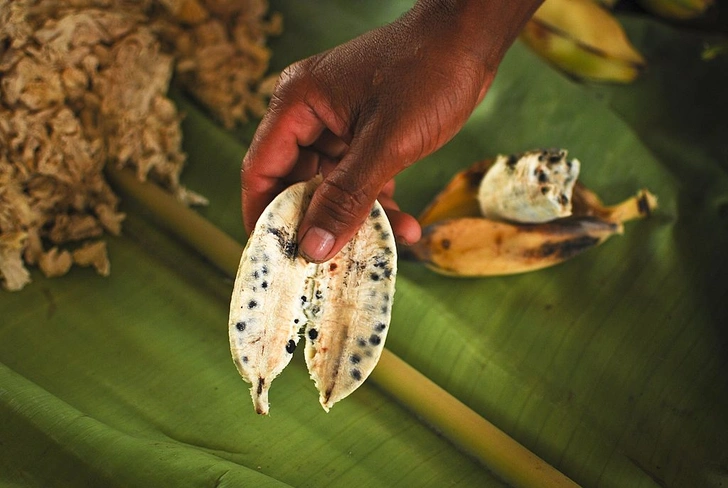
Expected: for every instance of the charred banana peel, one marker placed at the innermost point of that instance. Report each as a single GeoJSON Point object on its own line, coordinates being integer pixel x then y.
{"type": "Point", "coordinates": [516, 214]}
{"type": "Point", "coordinates": [341, 307]}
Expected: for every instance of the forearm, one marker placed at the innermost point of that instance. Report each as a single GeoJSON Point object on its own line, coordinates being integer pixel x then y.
{"type": "Point", "coordinates": [484, 28]}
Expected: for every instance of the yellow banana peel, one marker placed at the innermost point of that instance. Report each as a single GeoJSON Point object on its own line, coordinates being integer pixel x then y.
{"type": "Point", "coordinates": [583, 39]}
{"type": "Point", "coordinates": [459, 198]}
{"type": "Point", "coordinates": [458, 241]}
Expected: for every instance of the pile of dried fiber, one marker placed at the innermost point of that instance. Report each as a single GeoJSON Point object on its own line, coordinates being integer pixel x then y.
{"type": "Point", "coordinates": [83, 84]}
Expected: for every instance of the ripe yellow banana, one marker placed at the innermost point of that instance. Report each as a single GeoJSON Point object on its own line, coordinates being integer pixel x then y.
{"type": "Point", "coordinates": [583, 39]}
{"type": "Point", "coordinates": [342, 307]}
{"type": "Point", "coordinates": [458, 240]}
{"type": "Point", "coordinates": [677, 9]}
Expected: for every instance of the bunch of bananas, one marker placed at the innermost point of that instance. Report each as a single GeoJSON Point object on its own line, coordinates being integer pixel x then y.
{"type": "Point", "coordinates": [483, 225]}
{"type": "Point", "coordinates": [584, 39]}
{"type": "Point", "coordinates": [677, 9]}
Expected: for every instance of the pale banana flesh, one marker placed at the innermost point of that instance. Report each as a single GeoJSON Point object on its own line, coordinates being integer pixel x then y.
{"type": "Point", "coordinates": [342, 307]}
{"type": "Point", "coordinates": [537, 184]}
{"type": "Point", "coordinates": [583, 39]}
{"type": "Point", "coordinates": [459, 241]}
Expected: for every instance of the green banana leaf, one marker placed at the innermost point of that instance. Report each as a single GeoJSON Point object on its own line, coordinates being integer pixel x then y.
{"type": "Point", "coordinates": [612, 367]}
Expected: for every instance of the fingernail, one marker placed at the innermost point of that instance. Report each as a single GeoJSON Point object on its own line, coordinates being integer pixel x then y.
{"type": "Point", "coordinates": [316, 244]}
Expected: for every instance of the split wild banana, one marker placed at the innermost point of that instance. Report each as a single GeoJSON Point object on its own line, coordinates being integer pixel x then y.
{"type": "Point", "coordinates": [583, 39]}
{"type": "Point", "coordinates": [342, 307]}
{"type": "Point", "coordinates": [458, 240]}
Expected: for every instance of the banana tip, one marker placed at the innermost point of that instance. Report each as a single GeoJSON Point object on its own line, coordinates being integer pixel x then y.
{"type": "Point", "coordinates": [327, 400]}
{"type": "Point", "coordinates": [646, 203]}
{"type": "Point", "coordinates": [259, 392]}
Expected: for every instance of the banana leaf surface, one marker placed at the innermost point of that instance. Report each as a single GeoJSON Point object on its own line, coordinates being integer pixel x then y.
{"type": "Point", "coordinates": [613, 367]}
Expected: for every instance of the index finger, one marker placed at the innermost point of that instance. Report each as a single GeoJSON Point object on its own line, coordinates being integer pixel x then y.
{"type": "Point", "coordinates": [273, 153]}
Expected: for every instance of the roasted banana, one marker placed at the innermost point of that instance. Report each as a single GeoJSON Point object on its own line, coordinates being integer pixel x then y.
{"type": "Point", "coordinates": [473, 246]}
{"type": "Point", "coordinates": [342, 307]}
{"type": "Point", "coordinates": [459, 240]}
{"type": "Point", "coordinates": [583, 39]}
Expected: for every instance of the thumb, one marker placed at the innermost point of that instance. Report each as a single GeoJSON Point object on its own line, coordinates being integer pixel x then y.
{"type": "Point", "coordinates": [339, 206]}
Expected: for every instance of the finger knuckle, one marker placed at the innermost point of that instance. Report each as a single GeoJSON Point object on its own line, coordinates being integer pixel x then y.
{"type": "Point", "coordinates": [291, 81]}
{"type": "Point", "coordinates": [343, 204]}
{"type": "Point", "coordinates": [295, 75]}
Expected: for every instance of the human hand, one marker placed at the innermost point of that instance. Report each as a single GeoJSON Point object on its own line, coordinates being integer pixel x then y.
{"type": "Point", "coordinates": [362, 112]}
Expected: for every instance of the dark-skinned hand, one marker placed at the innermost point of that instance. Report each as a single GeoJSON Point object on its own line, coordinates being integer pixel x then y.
{"type": "Point", "coordinates": [363, 111]}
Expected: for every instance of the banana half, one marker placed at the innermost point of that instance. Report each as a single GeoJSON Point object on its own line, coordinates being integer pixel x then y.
{"type": "Point", "coordinates": [341, 307]}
